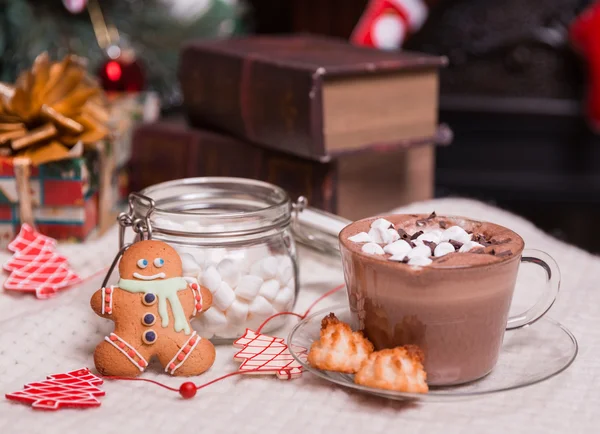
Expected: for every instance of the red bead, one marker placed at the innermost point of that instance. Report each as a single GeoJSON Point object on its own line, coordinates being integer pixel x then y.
{"type": "Point", "coordinates": [107, 299]}
{"type": "Point", "coordinates": [187, 390]}
{"type": "Point", "coordinates": [142, 363]}
{"type": "Point", "coordinates": [113, 338]}
{"type": "Point", "coordinates": [197, 298]}
{"type": "Point", "coordinates": [108, 290]}
{"type": "Point", "coordinates": [131, 353]}
{"type": "Point", "coordinates": [194, 286]}
{"type": "Point", "coordinates": [198, 306]}
{"type": "Point", "coordinates": [181, 357]}
{"type": "Point", "coordinates": [187, 349]}
{"type": "Point", "coordinates": [172, 366]}
{"type": "Point", "coordinates": [121, 345]}
{"type": "Point", "coordinates": [108, 309]}
{"type": "Point", "coordinates": [193, 341]}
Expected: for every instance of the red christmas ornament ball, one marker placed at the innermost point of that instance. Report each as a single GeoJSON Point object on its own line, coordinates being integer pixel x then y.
{"type": "Point", "coordinates": [123, 73]}
{"type": "Point", "coordinates": [187, 390]}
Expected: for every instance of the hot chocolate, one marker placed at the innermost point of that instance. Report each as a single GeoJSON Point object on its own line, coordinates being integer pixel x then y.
{"type": "Point", "coordinates": [442, 283]}
{"type": "Point", "coordinates": [413, 239]}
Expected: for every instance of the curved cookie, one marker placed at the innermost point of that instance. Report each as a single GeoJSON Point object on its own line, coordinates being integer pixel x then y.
{"type": "Point", "coordinates": [399, 369]}
{"type": "Point", "coordinates": [339, 348]}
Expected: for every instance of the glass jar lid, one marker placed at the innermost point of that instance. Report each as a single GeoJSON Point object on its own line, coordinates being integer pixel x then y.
{"type": "Point", "coordinates": [214, 207]}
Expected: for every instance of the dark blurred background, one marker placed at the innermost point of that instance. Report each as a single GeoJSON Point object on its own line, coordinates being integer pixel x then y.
{"type": "Point", "coordinates": [512, 95]}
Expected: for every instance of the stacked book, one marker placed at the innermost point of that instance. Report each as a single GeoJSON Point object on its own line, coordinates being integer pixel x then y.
{"type": "Point", "coordinates": [352, 129]}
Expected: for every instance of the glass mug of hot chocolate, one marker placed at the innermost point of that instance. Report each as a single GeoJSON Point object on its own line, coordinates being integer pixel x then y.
{"type": "Point", "coordinates": [442, 283]}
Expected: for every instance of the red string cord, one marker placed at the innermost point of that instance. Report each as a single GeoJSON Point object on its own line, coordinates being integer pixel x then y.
{"type": "Point", "coordinates": [231, 374]}
{"type": "Point", "coordinates": [313, 304]}
{"type": "Point", "coordinates": [91, 276]}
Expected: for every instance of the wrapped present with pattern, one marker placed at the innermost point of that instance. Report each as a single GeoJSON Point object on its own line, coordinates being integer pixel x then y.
{"type": "Point", "coordinates": [64, 144]}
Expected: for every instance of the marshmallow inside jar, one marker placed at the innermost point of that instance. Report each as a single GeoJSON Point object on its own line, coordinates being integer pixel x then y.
{"type": "Point", "coordinates": [233, 236]}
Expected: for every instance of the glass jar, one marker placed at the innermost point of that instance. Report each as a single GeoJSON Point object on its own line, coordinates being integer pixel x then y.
{"type": "Point", "coordinates": [234, 237]}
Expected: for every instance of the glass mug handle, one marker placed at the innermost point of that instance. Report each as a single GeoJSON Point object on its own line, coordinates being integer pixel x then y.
{"type": "Point", "coordinates": [547, 298]}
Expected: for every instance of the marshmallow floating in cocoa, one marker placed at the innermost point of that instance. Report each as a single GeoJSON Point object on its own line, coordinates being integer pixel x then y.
{"type": "Point", "coordinates": [455, 233]}
{"type": "Point", "coordinates": [468, 246]}
{"type": "Point", "coordinates": [382, 224]}
{"type": "Point", "coordinates": [443, 249]}
{"type": "Point", "coordinates": [397, 248]}
{"type": "Point", "coordinates": [375, 235]}
{"type": "Point", "coordinates": [419, 260]}
{"type": "Point", "coordinates": [399, 258]}
{"type": "Point", "coordinates": [420, 250]}
{"type": "Point", "coordinates": [389, 235]}
{"type": "Point", "coordinates": [373, 249]}
{"type": "Point", "coordinates": [434, 236]}
{"type": "Point", "coordinates": [361, 237]}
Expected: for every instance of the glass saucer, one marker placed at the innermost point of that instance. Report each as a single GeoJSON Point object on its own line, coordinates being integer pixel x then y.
{"type": "Point", "coordinates": [528, 356]}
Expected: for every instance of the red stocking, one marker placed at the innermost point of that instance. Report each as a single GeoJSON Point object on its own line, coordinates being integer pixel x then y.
{"type": "Point", "coordinates": [385, 24]}
{"type": "Point", "coordinates": [585, 36]}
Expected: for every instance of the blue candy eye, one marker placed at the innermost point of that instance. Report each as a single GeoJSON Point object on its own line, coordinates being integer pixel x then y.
{"type": "Point", "coordinates": [142, 263]}
{"type": "Point", "coordinates": [159, 262]}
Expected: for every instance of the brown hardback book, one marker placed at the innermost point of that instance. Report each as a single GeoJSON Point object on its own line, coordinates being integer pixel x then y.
{"type": "Point", "coordinates": [353, 185]}
{"type": "Point", "coordinates": [312, 96]}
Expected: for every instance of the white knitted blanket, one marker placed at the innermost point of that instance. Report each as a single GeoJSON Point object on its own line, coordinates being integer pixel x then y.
{"type": "Point", "coordinates": [38, 338]}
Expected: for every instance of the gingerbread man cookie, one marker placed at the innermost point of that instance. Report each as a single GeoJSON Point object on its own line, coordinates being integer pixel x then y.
{"type": "Point", "coordinates": [152, 306]}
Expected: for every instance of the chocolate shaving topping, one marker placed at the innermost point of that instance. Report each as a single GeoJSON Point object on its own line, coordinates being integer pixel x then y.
{"type": "Point", "coordinates": [498, 242]}
{"type": "Point", "coordinates": [413, 245]}
{"type": "Point", "coordinates": [481, 239]}
{"type": "Point", "coordinates": [443, 224]}
{"type": "Point", "coordinates": [422, 222]}
{"type": "Point", "coordinates": [504, 253]}
{"type": "Point", "coordinates": [456, 244]}
{"type": "Point", "coordinates": [430, 244]}
{"type": "Point", "coordinates": [405, 260]}
{"type": "Point", "coordinates": [403, 234]}
{"type": "Point", "coordinates": [416, 235]}
{"type": "Point", "coordinates": [477, 250]}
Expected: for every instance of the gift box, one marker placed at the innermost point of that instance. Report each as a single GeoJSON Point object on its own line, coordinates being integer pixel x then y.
{"type": "Point", "coordinates": [61, 183]}
{"type": "Point", "coordinates": [71, 223]}
{"type": "Point", "coordinates": [64, 146]}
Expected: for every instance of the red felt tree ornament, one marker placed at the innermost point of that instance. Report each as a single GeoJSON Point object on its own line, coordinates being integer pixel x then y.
{"type": "Point", "coordinates": [585, 37]}
{"type": "Point", "coordinates": [75, 389]}
{"type": "Point", "coordinates": [36, 266]}
{"type": "Point", "coordinates": [386, 24]}
{"type": "Point", "coordinates": [262, 354]}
